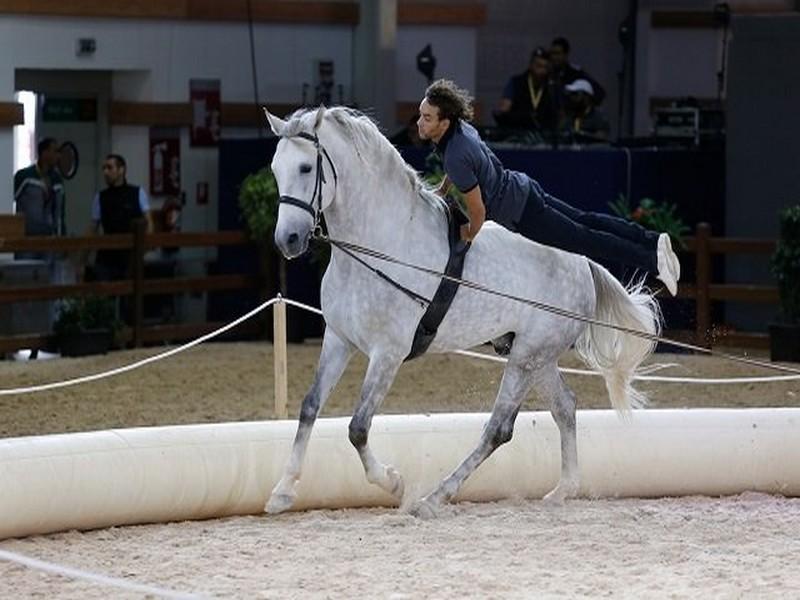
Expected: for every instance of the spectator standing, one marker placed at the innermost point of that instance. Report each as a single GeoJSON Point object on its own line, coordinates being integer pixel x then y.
{"type": "Point", "coordinates": [114, 210]}
{"type": "Point", "coordinates": [39, 195]}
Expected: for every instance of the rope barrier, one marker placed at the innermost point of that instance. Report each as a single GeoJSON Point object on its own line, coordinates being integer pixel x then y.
{"type": "Point", "coordinates": [263, 306]}
{"type": "Point", "coordinates": [639, 377]}
{"type": "Point", "coordinates": [72, 573]}
{"type": "Point", "coordinates": [140, 363]}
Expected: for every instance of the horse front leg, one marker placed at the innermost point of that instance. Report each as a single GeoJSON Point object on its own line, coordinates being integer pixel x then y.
{"type": "Point", "coordinates": [380, 375]}
{"type": "Point", "coordinates": [333, 360]}
{"type": "Point", "coordinates": [499, 430]}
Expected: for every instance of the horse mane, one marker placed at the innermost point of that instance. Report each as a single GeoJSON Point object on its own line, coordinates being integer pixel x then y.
{"type": "Point", "coordinates": [368, 141]}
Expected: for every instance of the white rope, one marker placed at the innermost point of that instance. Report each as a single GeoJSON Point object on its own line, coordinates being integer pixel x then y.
{"type": "Point", "coordinates": [35, 563]}
{"type": "Point", "coordinates": [641, 377]}
{"type": "Point", "coordinates": [659, 378]}
{"type": "Point", "coordinates": [140, 363]}
{"type": "Point", "coordinates": [478, 355]}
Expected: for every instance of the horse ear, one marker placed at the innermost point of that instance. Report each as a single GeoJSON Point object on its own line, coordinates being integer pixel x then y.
{"type": "Point", "coordinates": [320, 114]}
{"type": "Point", "coordinates": [276, 123]}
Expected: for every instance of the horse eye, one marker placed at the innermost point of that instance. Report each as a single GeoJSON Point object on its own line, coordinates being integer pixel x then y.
{"type": "Point", "coordinates": [305, 168]}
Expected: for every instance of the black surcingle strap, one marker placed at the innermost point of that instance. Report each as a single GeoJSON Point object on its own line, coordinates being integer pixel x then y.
{"type": "Point", "coordinates": [437, 309]}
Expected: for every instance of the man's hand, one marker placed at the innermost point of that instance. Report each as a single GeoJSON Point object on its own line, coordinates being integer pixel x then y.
{"type": "Point", "coordinates": [466, 235]}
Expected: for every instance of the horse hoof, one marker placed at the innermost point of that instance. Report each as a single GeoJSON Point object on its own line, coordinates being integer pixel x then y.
{"type": "Point", "coordinates": [397, 487]}
{"type": "Point", "coordinates": [424, 509]}
{"type": "Point", "coordinates": [559, 494]}
{"type": "Point", "coordinates": [279, 503]}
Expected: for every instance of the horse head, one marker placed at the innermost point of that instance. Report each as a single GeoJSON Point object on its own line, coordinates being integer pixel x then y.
{"type": "Point", "coordinates": [306, 179]}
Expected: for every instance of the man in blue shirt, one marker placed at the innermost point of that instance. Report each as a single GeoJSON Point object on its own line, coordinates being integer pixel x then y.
{"type": "Point", "coordinates": [519, 203]}
{"type": "Point", "coordinates": [115, 209]}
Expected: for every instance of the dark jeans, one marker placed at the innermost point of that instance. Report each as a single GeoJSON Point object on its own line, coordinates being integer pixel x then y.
{"type": "Point", "coordinates": [602, 237]}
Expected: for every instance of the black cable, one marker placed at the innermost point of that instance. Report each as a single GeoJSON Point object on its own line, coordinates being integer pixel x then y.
{"type": "Point", "coordinates": [253, 63]}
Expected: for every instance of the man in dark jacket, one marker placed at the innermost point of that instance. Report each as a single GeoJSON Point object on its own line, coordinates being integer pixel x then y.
{"type": "Point", "coordinates": [114, 210]}
{"type": "Point", "coordinates": [528, 100]}
{"type": "Point", "coordinates": [39, 195]}
{"type": "Point", "coordinates": [563, 73]}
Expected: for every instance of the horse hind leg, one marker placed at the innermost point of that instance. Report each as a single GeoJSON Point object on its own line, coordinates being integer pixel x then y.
{"type": "Point", "coordinates": [516, 383]}
{"type": "Point", "coordinates": [552, 387]}
{"type": "Point", "coordinates": [380, 375]}
{"type": "Point", "coordinates": [333, 360]}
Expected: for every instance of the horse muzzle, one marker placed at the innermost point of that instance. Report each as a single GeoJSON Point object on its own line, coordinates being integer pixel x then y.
{"type": "Point", "coordinates": [292, 243]}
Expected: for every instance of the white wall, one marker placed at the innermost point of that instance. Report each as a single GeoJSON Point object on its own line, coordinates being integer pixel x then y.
{"type": "Point", "coordinates": [153, 61]}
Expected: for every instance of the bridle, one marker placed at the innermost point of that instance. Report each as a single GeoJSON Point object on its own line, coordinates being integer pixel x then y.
{"type": "Point", "coordinates": [314, 208]}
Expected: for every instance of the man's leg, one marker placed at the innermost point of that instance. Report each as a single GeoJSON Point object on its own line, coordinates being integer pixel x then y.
{"type": "Point", "coordinates": [620, 227]}
{"type": "Point", "coordinates": [543, 223]}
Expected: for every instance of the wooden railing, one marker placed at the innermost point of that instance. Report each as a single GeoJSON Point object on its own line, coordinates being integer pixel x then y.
{"type": "Point", "coordinates": [704, 291]}
{"type": "Point", "coordinates": [137, 287]}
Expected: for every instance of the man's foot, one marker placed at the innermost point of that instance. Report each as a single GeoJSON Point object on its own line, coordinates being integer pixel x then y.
{"type": "Point", "coordinates": [668, 264]}
{"type": "Point", "coordinates": [676, 264]}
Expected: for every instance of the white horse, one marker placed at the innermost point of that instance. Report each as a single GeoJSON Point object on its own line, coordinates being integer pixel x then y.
{"type": "Point", "coordinates": [336, 161]}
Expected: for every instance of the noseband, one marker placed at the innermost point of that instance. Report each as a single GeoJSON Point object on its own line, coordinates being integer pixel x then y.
{"type": "Point", "coordinates": [314, 208]}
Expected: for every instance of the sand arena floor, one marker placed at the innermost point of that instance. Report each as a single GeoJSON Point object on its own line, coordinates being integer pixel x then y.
{"type": "Point", "coordinates": [744, 546]}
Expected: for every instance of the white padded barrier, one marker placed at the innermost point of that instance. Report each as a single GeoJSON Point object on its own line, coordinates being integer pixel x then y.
{"type": "Point", "coordinates": [117, 477]}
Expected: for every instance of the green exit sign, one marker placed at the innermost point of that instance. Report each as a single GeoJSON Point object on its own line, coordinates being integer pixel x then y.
{"type": "Point", "coordinates": [69, 109]}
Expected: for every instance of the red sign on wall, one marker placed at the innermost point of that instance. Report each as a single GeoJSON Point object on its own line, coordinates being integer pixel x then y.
{"type": "Point", "coordinates": [165, 161]}
{"type": "Point", "coordinates": [204, 96]}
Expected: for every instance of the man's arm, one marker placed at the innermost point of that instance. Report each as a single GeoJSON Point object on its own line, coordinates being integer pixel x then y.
{"type": "Point", "coordinates": [476, 212]}
{"type": "Point", "coordinates": [144, 205]}
{"type": "Point", "coordinates": [507, 99]}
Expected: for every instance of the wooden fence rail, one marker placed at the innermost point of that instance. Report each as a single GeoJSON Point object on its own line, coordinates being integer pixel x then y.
{"type": "Point", "coordinates": [138, 242]}
{"type": "Point", "coordinates": [704, 291]}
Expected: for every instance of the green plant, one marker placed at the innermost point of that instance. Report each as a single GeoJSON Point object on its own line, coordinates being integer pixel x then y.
{"type": "Point", "coordinates": [786, 264]}
{"type": "Point", "coordinates": [433, 174]}
{"type": "Point", "coordinates": [258, 199]}
{"type": "Point", "coordinates": [76, 315]}
{"type": "Point", "coordinates": [657, 216]}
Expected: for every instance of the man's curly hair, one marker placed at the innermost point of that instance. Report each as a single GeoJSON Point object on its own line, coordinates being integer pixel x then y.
{"type": "Point", "coordinates": [452, 101]}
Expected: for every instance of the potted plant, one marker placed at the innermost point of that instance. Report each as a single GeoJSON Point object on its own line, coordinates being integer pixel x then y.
{"type": "Point", "coordinates": [785, 334]}
{"type": "Point", "coordinates": [258, 201]}
{"type": "Point", "coordinates": [657, 216]}
{"type": "Point", "coordinates": [86, 326]}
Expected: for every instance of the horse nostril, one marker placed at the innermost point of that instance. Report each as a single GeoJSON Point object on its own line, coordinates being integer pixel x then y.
{"type": "Point", "coordinates": [293, 238]}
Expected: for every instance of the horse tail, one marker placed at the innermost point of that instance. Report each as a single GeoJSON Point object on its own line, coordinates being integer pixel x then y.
{"type": "Point", "coordinates": [615, 354]}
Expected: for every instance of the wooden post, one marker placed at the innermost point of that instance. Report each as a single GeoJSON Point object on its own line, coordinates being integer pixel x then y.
{"type": "Point", "coordinates": [279, 354]}
{"type": "Point", "coordinates": [703, 275]}
{"type": "Point", "coordinates": [137, 274]}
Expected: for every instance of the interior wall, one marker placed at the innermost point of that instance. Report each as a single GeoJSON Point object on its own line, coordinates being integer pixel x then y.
{"type": "Point", "coordinates": [153, 61]}
{"type": "Point", "coordinates": [515, 27]}
{"type": "Point", "coordinates": [762, 142]}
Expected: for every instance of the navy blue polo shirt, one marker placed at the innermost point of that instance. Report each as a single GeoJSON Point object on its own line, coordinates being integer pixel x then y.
{"type": "Point", "coordinates": [469, 162]}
